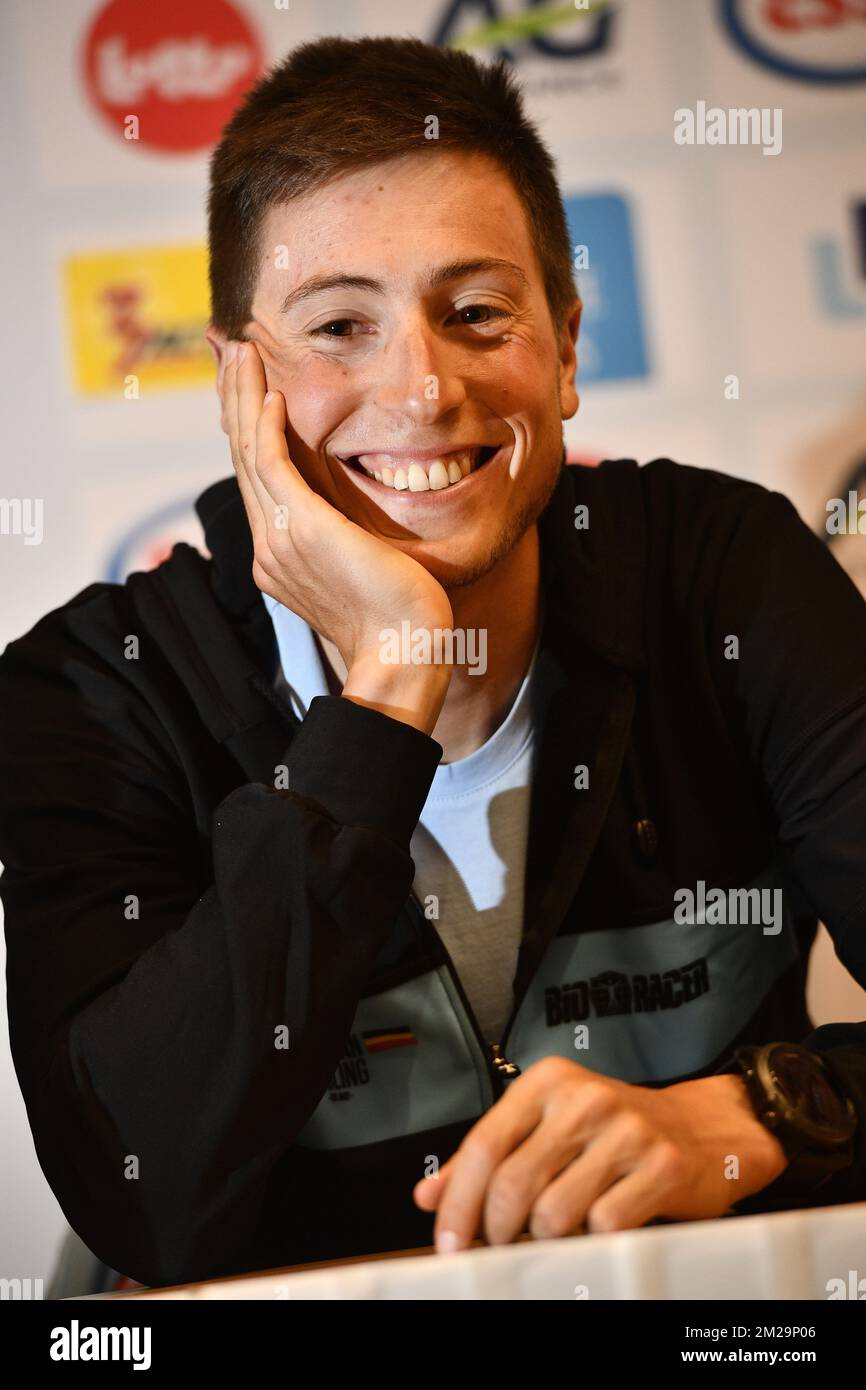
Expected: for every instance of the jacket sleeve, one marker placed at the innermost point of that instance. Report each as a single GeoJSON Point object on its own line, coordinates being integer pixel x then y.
{"type": "Point", "coordinates": [800, 689]}
{"type": "Point", "coordinates": [173, 1030]}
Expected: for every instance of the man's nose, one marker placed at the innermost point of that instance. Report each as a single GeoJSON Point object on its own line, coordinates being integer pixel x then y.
{"type": "Point", "coordinates": [418, 371]}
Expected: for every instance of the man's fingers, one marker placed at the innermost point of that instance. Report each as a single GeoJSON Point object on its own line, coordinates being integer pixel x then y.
{"type": "Point", "coordinates": [611, 1151]}
{"type": "Point", "coordinates": [642, 1195]}
{"type": "Point", "coordinates": [497, 1133]}
{"type": "Point", "coordinates": [261, 436]}
{"type": "Point", "coordinates": [245, 383]}
{"type": "Point", "coordinates": [274, 468]}
{"type": "Point", "coordinates": [250, 386]}
{"type": "Point", "coordinates": [249, 493]}
{"type": "Point", "coordinates": [524, 1175]}
{"type": "Point", "coordinates": [577, 1124]}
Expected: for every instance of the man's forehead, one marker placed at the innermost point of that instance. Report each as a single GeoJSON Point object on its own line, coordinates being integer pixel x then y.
{"type": "Point", "coordinates": [464, 211]}
{"type": "Point", "coordinates": [440, 178]}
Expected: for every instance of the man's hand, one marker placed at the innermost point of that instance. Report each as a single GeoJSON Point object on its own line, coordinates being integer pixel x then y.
{"type": "Point", "coordinates": [565, 1149]}
{"type": "Point", "coordinates": [346, 584]}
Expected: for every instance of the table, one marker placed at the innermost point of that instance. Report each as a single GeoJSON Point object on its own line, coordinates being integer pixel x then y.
{"type": "Point", "coordinates": [783, 1255]}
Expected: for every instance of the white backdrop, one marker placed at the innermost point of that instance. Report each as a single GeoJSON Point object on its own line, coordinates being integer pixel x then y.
{"type": "Point", "coordinates": [706, 262]}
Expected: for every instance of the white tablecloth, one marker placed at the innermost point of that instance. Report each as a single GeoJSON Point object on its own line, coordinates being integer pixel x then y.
{"type": "Point", "coordinates": [779, 1256]}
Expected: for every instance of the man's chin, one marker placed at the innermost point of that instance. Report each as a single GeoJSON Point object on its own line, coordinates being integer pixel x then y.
{"type": "Point", "coordinates": [458, 565]}
{"type": "Point", "coordinates": [454, 572]}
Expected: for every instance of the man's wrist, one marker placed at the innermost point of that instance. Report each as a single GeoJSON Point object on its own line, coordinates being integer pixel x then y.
{"type": "Point", "coordinates": [412, 694]}
{"type": "Point", "coordinates": [768, 1155]}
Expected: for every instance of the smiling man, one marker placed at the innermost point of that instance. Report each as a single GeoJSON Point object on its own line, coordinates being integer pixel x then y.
{"type": "Point", "coordinates": [315, 951]}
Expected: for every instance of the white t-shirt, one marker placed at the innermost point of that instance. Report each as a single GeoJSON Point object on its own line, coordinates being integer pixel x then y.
{"type": "Point", "coordinates": [469, 847]}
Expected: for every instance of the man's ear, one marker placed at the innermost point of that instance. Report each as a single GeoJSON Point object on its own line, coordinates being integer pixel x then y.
{"type": "Point", "coordinates": [218, 342]}
{"type": "Point", "coordinates": [569, 400]}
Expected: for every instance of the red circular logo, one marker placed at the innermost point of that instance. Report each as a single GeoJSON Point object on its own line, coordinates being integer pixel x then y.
{"type": "Point", "coordinates": [179, 68]}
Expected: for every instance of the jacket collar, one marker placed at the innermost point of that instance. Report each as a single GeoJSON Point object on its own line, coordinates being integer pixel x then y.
{"type": "Point", "coordinates": [592, 578]}
{"type": "Point", "coordinates": [595, 575]}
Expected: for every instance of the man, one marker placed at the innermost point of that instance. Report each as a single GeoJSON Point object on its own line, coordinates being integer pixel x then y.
{"type": "Point", "coordinates": [417, 865]}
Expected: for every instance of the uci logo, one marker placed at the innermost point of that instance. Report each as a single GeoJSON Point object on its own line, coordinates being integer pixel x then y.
{"type": "Point", "coordinates": [575, 30]}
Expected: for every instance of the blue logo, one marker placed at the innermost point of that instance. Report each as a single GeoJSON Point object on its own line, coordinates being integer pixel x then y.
{"type": "Point", "coordinates": [612, 343]}
{"type": "Point", "coordinates": [833, 290]}
{"type": "Point", "coordinates": [788, 38]}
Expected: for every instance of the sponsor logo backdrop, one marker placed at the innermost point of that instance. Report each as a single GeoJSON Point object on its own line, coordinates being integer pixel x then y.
{"type": "Point", "coordinates": [705, 263]}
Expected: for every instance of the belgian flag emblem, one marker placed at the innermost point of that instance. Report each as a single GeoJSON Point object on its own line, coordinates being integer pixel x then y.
{"type": "Point", "coordinates": [382, 1039]}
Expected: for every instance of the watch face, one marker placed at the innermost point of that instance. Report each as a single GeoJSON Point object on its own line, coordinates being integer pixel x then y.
{"type": "Point", "coordinates": [806, 1089]}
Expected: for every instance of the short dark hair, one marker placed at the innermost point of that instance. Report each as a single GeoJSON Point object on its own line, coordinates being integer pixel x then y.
{"type": "Point", "coordinates": [335, 105]}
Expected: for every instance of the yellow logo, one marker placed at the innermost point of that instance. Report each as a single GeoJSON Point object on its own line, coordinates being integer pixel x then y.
{"type": "Point", "coordinates": [137, 318]}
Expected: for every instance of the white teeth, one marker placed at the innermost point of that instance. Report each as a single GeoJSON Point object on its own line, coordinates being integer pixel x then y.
{"type": "Point", "coordinates": [418, 481]}
{"type": "Point", "coordinates": [417, 477]}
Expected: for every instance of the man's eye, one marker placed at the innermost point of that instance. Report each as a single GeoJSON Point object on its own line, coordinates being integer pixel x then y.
{"type": "Point", "coordinates": [324, 330]}
{"type": "Point", "coordinates": [489, 310]}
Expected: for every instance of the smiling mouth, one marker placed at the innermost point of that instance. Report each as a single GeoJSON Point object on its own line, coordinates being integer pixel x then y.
{"type": "Point", "coordinates": [402, 473]}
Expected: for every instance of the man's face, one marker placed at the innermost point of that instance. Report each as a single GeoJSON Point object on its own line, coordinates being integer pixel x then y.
{"type": "Point", "coordinates": [430, 356]}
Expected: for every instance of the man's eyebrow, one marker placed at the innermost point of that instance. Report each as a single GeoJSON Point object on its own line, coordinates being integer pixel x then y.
{"type": "Point", "coordinates": [452, 270]}
{"type": "Point", "coordinates": [318, 283]}
{"type": "Point", "coordinates": [456, 270]}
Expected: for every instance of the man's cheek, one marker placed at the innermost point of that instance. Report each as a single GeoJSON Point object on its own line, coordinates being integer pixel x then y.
{"type": "Point", "coordinates": [513, 382]}
{"type": "Point", "coordinates": [317, 403]}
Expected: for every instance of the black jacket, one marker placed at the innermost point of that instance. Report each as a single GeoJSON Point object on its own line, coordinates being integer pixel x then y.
{"type": "Point", "coordinates": [239, 1039]}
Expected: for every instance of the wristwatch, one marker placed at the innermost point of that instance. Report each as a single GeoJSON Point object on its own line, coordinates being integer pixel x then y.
{"type": "Point", "coordinates": [798, 1096]}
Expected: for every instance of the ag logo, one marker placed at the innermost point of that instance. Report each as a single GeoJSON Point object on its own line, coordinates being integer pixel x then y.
{"type": "Point", "coordinates": [822, 41]}
{"type": "Point", "coordinates": [565, 30]}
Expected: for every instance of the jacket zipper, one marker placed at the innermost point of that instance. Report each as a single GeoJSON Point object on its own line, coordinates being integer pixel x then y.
{"type": "Point", "coordinates": [507, 1070]}
{"type": "Point", "coordinates": [499, 1069]}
